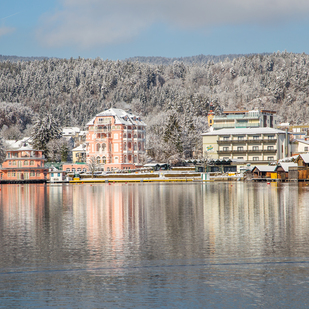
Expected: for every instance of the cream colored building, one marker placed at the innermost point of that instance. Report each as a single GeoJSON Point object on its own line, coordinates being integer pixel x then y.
{"type": "Point", "coordinates": [244, 119]}
{"type": "Point", "coordinates": [253, 145]}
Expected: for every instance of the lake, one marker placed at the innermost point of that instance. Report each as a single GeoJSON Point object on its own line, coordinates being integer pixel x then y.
{"type": "Point", "coordinates": [150, 245]}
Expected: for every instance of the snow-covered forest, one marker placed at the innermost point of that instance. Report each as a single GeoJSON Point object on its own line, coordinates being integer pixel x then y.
{"type": "Point", "coordinates": [173, 99]}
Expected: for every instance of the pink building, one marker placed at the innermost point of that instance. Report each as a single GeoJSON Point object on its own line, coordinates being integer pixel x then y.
{"type": "Point", "coordinates": [116, 139]}
{"type": "Point", "coordinates": [24, 164]}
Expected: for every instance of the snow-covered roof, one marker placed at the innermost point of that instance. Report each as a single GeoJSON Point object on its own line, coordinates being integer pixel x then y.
{"type": "Point", "coordinates": [16, 144]}
{"type": "Point", "coordinates": [121, 117]}
{"type": "Point", "coordinates": [70, 130]}
{"type": "Point", "coordinates": [265, 168]}
{"type": "Point", "coordinates": [81, 147]}
{"type": "Point", "coordinates": [286, 165]}
{"type": "Point", "coordinates": [301, 141]}
{"type": "Point", "coordinates": [242, 131]}
{"type": "Point", "coordinates": [305, 157]}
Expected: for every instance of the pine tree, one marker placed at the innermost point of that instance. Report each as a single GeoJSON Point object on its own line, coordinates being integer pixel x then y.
{"type": "Point", "coordinates": [45, 130]}
{"type": "Point", "coordinates": [2, 149]}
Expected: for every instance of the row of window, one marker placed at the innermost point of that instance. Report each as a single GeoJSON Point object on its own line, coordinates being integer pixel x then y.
{"type": "Point", "coordinates": [32, 173]}
{"type": "Point", "coordinates": [254, 158]}
{"type": "Point", "coordinates": [255, 137]}
{"type": "Point", "coordinates": [241, 148]}
{"type": "Point", "coordinates": [26, 162]}
{"type": "Point", "coordinates": [136, 146]}
{"type": "Point", "coordinates": [75, 170]}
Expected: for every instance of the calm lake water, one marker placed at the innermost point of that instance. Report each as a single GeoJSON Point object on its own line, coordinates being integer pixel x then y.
{"type": "Point", "coordinates": [176, 245]}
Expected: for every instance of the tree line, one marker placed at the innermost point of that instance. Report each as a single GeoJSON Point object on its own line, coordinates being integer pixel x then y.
{"type": "Point", "coordinates": [173, 99]}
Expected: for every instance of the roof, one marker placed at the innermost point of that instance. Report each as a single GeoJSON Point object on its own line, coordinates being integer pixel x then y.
{"type": "Point", "coordinates": [265, 168]}
{"type": "Point", "coordinates": [242, 131]}
{"type": "Point", "coordinates": [286, 165]}
{"type": "Point", "coordinates": [16, 144]}
{"type": "Point", "coordinates": [70, 130]}
{"type": "Point", "coordinates": [301, 141]}
{"type": "Point", "coordinates": [121, 117]}
{"type": "Point", "coordinates": [81, 147]}
{"type": "Point", "coordinates": [305, 157]}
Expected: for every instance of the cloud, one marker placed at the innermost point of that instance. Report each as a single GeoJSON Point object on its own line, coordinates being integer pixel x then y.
{"type": "Point", "coordinates": [89, 23]}
{"type": "Point", "coordinates": [6, 30]}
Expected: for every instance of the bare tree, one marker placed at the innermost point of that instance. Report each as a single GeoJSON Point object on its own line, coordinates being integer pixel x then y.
{"type": "Point", "coordinates": [92, 165]}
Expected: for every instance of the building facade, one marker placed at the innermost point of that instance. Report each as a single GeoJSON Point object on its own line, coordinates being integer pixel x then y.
{"type": "Point", "coordinates": [244, 119]}
{"type": "Point", "coordinates": [24, 163]}
{"type": "Point", "coordinates": [116, 139]}
{"type": "Point", "coordinates": [253, 145]}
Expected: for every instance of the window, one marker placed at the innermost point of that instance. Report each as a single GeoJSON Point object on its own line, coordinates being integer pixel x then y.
{"type": "Point", "coordinates": [240, 138]}
{"type": "Point", "coordinates": [32, 173]}
{"type": "Point", "coordinates": [37, 174]}
{"type": "Point", "coordinates": [31, 162]}
{"type": "Point", "coordinates": [79, 170]}
{"type": "Point", "coordinates": [26, 162]}
{"type": "Point", "coordinates": [52, 175]}
{"type": "Point", "coordinates": [225, 148]}
{"type": "Point", "coordinates": [9, 155]}
{"type": "Point", "coordinates": [14, 162]}
{"type": "Point", "coordinates": [270, 147]}
{"type": "Point", "coordinates": [10, 162]}
{"type": "Point", "coordinates": [270, 158]}
{"type": "Point", "coordinates": [240, 158]}
{"type": "Point", "coordinates": [255, 148]}
{"type": "Point", "coordinates": [9, 174]}
{"type": "Point", "coordinates": [256, 137]}
{"type": "Point", "coordinates": [305, 149]}
{"type": "Point", "coordinates": [116, 136]}
{"type": "Point", "coordinates": [116, 147]}
{"type": "Point", "coordinates": [73, 170]}
{"type": "Point", "coordinates": [225, 138]}
{"type": "Point", "coordinates": [255, 158]}
{"type": "Point", "coordinates": [271, 136]}
{"type": "Point", "coordinates": [13, 173]}
{"type": "Point", "coordinates": [240, 148]}
{"type": "Point", "coordinates": [68, 169]}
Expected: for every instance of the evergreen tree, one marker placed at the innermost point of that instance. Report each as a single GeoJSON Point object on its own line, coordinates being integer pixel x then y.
{"type": "Point", "coordinates": [44, 130]}
{"type": "Point", "coordinates": [2, 149]}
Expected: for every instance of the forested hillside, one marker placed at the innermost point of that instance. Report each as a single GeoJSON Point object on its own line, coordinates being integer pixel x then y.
{"type": "Point", "coordinates": [173, 99]}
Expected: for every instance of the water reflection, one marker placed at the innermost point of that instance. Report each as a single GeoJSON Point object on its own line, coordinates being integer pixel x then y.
{"type": "Point", "coordinates": [152, 237]}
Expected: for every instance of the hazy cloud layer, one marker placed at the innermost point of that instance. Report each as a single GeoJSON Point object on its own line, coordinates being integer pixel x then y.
{"type": "Point", "coordinates": [6, 30]}
{"type": "Point", "coordinates": [89, 23]}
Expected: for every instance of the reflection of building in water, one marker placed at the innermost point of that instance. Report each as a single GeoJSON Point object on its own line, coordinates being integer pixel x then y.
{"type": "Point", "coordinates": [112, 215]}
{"type": "Point", "coordinates": [23, 206]}
{"type": "Point", "coordinates": [254, 219]}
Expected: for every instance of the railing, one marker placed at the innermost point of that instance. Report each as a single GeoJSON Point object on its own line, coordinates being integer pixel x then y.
{"type": "Point", "coordinates": [102, 130]}
{"type": "Point", "coordinates": [260, 140]}
{"type": "Point", "coordinates": [247, 151]}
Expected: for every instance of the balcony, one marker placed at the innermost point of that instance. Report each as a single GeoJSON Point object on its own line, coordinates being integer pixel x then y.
{"type": "Point", "coordinates": [238, 151]}
{"type": "Point", "coordinates": [251, 141]}
{"type": "Point", "coordinates": [102, 130]}
{"type": "Point", "coordinates": [274, 140]}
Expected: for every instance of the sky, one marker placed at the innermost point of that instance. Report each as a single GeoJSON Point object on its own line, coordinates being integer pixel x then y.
{"type": "Point", "coordinates": [119, 29]}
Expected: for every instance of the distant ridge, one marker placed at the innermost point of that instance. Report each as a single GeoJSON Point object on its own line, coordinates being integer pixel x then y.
{"type": "Point", "coordinates": [18, 58]}
{"type": "Point", "coordinates": [199, 59]}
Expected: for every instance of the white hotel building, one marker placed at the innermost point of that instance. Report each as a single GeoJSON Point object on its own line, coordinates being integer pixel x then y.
{"type": "Point", "coordinates": [253, 145]}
